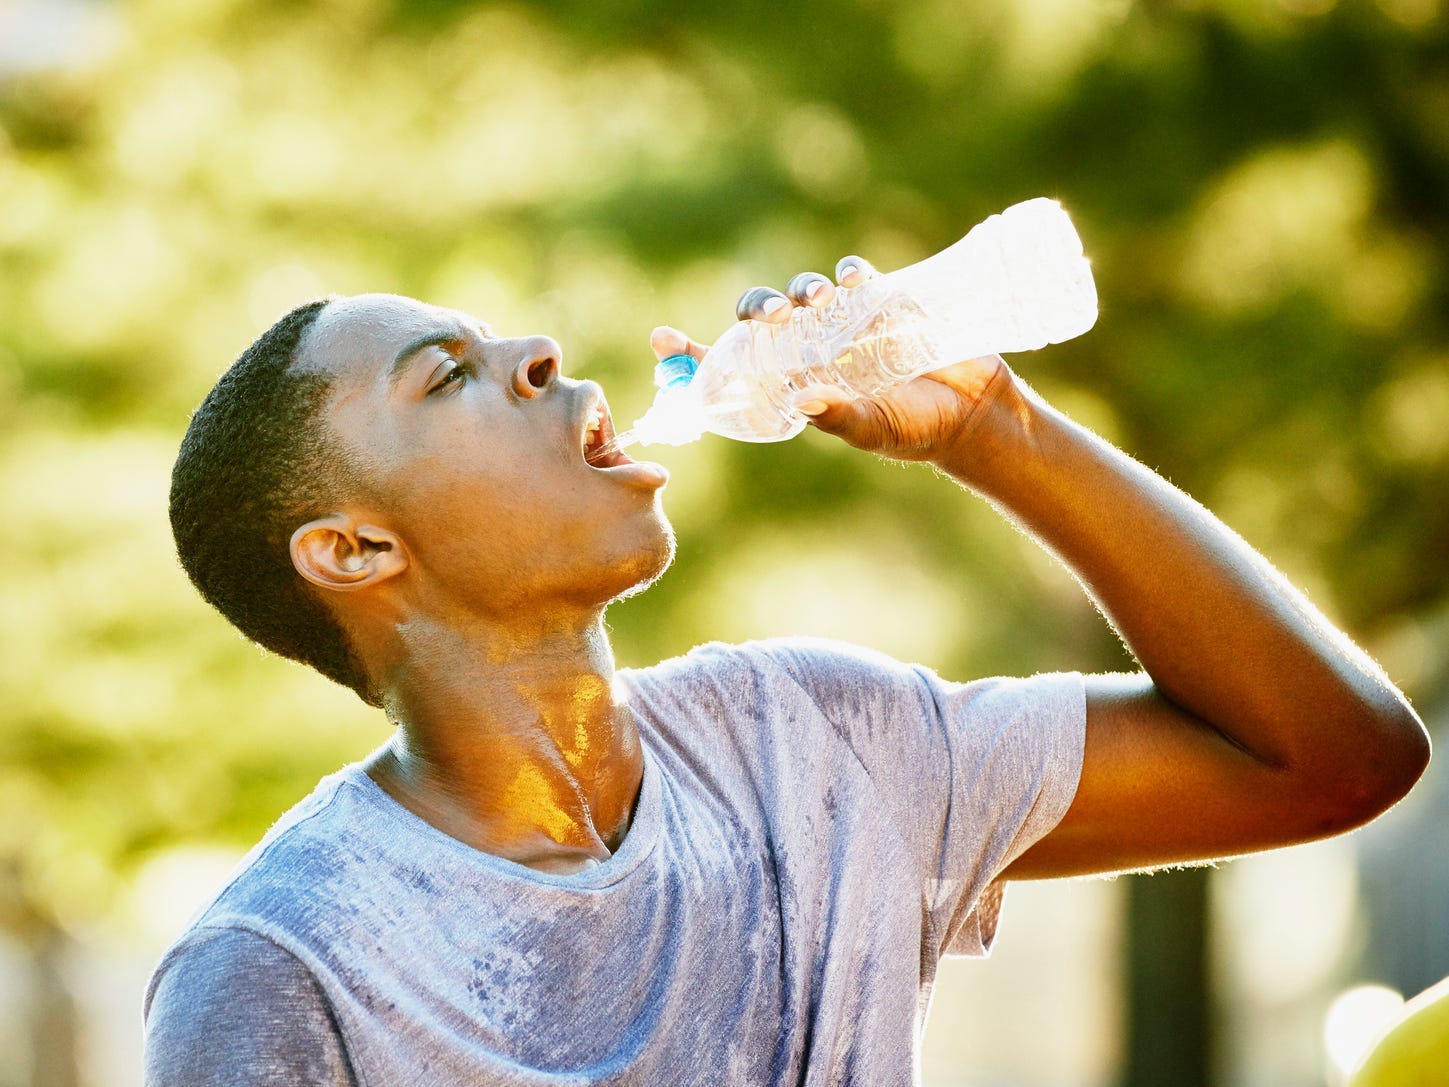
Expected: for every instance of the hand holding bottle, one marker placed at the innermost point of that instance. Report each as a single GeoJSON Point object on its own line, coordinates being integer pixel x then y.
{"type": "Point", "coordinates": [1017, 281]}
{"type": "Point", "coordinates": [910, 421]}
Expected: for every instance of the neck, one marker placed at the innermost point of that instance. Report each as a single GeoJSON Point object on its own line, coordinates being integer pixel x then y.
{"type": "Point", "coordinates": [511, 740]}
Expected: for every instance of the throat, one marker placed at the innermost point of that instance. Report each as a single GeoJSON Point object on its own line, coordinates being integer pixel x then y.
{"type": "Point", "coordinates": [513, 740]}
{"type": "Point", "coordinates": [528, 822]}
{"type": "Point", "coordinates": [529, 795]}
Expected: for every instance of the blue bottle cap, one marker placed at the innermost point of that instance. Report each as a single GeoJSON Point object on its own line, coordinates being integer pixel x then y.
{"type": "Point", "coordinates": [676, 371]}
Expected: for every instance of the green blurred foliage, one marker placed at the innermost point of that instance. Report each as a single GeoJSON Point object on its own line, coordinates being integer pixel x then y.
{"type": "Point", "coordinates": [1263, 188]}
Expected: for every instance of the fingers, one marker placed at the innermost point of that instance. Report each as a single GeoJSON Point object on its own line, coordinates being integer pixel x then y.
{"type": "Point", "coordinates": [762, 304]}
{"type": "Point", "coordinates": [810, 289]}
{"type": "Point", "coordinates": [768, 304]}
{"type": "Point", "coordinates": [852, 271]}
{"type": "Point", "coordinates": [668, 341]}
{"type": "Point", "coordinates": [822, 403]}
{"type": "Point", "coordinates": [833, 411]}
{"type": "Point", "coordinates": [806, 289]}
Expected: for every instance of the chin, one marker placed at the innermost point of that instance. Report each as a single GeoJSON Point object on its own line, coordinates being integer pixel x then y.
{"type": "Point", "coordinates": [647, 565]}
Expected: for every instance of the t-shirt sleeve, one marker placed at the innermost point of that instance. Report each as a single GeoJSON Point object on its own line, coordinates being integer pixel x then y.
{"type": "Point", "coordinates": [972, 774]}
{"type": "Point", "coordinates": [229, 1008]}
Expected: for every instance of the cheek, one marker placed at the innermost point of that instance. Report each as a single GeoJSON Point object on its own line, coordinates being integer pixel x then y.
{"type": "Point", "coordinates": [526, 518]}
{"type": "Point", "coordinates": [485, 509]}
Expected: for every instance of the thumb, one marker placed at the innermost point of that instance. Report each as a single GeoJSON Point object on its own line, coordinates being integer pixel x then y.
{"type": "Point", "coordinates": [828, 409]}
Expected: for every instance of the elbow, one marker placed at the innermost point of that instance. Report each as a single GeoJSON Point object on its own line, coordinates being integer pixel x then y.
{"type": "Point", "coordinates": [1414, 751]}
{"type": "Point", "coordinates": [1391, 757]}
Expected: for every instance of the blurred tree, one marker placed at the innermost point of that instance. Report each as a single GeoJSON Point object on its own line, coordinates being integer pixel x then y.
{"type": "Point", "coordinates": [1262, 187]}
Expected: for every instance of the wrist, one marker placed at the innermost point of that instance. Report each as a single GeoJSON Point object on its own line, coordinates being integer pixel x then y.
{"type": "Point", "coordinates": [997, 431]}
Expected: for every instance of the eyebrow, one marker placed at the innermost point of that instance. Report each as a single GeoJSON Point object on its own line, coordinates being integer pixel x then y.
{"type": "Point", "coordinates": [436, 338]}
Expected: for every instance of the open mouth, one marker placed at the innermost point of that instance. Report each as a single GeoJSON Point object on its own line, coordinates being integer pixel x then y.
{"type": "Point", "coordinates": [598, 440]}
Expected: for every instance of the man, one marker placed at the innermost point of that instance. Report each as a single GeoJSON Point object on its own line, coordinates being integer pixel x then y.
{"type": "Point", "coordinates": [741, 866]}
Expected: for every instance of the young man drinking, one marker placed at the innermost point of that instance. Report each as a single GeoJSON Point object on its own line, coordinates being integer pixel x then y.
{"type": "Point", "coordinates": [740, 866]}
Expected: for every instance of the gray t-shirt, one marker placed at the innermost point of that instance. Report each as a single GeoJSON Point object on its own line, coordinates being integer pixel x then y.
{"type": "Point", "coordinates": [817, 825]}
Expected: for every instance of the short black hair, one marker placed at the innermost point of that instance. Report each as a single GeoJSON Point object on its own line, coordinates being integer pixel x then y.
{"type": "Point", "coordinates": [258, 460]}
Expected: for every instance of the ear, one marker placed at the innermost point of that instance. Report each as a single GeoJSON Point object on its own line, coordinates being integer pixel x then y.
{"type": "Point", "coordinates": [336, 552]}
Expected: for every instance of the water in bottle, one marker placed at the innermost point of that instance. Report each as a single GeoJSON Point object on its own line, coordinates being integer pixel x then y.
{"type": "Point", "coordinates": [1016, 282]}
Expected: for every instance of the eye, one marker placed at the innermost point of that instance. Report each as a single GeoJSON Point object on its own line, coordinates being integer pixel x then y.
{"type": "Point", "coordinates": [450, 373]}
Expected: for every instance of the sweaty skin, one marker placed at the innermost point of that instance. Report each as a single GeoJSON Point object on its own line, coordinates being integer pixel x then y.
{"type": "Point", "coordinates": [472, 570]}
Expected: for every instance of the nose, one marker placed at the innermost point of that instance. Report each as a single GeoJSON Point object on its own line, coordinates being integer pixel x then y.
{"type": "Point", "coordinates": [538, 366]}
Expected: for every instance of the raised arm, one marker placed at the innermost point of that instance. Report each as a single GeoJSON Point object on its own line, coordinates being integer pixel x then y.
{"type": "Point", "coordinates": [1254, 723]}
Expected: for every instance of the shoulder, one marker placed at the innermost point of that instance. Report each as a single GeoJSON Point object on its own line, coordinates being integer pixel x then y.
{"type": "Point", "coordinates": [847, 685]}
{"type": "Point", "coordinates": [784, 693]}
{"type": "Point", "coordinates": [808, 661]}
{"type": "Point", "coordinates": [229, 1006]}
{"type": "Point", "coordinates": [763, 681]}
{"type": "Point", "coordinates": [210, 966]}
{"type": "Point", "coordinates": [850, 681]}
{"type": "Point", "coordinates": [314, 855]}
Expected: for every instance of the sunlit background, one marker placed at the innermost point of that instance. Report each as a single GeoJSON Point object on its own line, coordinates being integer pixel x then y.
{"type": "Point", "coordinates": [1263, 186]}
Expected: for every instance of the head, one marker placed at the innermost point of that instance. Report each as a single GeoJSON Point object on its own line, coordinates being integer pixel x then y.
{"type": "Point", "coordinates": [373, 461]}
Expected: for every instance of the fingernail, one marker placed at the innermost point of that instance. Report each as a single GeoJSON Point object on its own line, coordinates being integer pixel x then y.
{"type": "Point", "coordinates": [772, 305]}
{"type": "Point", "coordinates": [814, 292]}
{"type": "Point", "coordinates": [849, 270]}
{"type": "Point", "coordinates": [812, 407]}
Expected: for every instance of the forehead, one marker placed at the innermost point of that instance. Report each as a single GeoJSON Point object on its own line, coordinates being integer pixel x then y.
{"type": "Point", "coordinates": [355, 337]}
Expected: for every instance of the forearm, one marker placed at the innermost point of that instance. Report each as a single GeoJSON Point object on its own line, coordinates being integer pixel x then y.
{"type": "Point", "coordinates": [1218, 630]}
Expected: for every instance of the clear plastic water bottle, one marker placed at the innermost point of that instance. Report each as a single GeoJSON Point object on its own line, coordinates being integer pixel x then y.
{"type": "Point", "coordinates": [1016, 282]}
